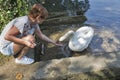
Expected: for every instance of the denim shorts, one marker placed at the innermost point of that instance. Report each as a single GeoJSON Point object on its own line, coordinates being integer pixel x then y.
{"type": "Point", "coordinates": [8, 50]}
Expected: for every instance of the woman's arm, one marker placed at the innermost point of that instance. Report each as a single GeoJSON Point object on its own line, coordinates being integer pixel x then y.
{"type": "Point", "coordinates": [45, 38]}
{"type": "Point", "coordinates": [11, 36]}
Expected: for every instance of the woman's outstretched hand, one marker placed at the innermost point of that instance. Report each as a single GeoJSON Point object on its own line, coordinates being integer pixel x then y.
{"type": "Point", "coordinates": [57, 43]}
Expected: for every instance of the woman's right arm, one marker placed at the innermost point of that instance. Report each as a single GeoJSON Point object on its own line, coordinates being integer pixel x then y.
{"type": "Point", "coordinates": [11, 36]}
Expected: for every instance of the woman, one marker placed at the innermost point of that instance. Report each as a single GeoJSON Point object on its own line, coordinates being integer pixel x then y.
{"type": "Point", "coordinates": [17, 36]}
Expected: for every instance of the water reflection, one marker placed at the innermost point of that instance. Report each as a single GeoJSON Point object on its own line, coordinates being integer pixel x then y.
{"type": "Point", "coordinates": [72, 7]}
{"type": "Point", "coordinates": [75, 7]}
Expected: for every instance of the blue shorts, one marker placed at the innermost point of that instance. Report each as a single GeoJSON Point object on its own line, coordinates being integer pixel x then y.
{"type": "Point", "coordinates": [8, 50]}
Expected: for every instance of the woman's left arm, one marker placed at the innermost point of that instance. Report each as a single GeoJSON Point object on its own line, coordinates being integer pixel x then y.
{"type": "Point", "coordinates": [45, 38]}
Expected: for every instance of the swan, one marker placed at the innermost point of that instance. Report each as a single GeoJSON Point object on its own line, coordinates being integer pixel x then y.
{"type": "Point", "coordinates": [79, 39]}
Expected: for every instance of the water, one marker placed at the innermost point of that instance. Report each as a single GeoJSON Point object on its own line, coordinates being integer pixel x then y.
{"type": "Point", "coordinates": [98, 12]}
{"type": "Point", "coordinates": [102, 15]}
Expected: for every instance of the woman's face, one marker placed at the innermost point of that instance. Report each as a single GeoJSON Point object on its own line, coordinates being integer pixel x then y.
{"type": "Point", "coordinates": [40, 19]}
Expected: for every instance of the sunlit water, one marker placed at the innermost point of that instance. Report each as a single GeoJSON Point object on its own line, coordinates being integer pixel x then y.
{"type": "Point", "coordinates": [104, 13]}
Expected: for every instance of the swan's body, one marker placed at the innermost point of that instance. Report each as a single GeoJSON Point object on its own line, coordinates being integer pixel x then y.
{"type": "Point", "coordinates": [80, 39]}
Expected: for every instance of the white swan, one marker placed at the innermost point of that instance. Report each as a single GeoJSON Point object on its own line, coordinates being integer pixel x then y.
{"type": "Point", "coordinates": [80, 39]}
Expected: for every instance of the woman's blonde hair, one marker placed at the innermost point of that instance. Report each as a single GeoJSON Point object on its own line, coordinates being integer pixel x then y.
{"type": "Point", "coordinates": [38, 10]}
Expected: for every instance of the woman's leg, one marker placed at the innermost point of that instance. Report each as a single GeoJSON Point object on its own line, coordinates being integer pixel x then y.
{"type": "Point", "coordinates": [22, 49]}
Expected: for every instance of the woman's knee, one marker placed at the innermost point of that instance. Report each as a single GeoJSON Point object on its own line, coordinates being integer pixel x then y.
{"type": "Point", "coordinates": [29, 38]}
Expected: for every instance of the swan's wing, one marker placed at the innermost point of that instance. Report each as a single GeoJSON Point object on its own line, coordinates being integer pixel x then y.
{"type": "Point", "coordinates": [84, 32]}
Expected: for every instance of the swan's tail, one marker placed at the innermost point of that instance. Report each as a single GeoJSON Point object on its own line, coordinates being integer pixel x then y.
{"type": "Point", "coordinates": [85, 32]}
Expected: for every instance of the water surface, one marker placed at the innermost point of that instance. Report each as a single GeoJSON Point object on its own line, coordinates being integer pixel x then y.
{"type": "Point", "coordinates": [103, 16]}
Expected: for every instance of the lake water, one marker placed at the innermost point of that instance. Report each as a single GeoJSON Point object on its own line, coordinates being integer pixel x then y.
{"type": "Point", "coordinates": [102, 15]}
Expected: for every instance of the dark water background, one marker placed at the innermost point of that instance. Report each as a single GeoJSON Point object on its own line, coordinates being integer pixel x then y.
{"type": "Point", "coordinates": [98, 12]}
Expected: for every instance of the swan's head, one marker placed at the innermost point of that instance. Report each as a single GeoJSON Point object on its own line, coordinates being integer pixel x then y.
{"type": "Point", "coordinates": [67, 35]}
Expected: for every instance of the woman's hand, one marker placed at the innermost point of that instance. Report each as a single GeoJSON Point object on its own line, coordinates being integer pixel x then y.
{"type": "Point", "coordinates": [58, 43]}
{"type": "Point", "coordinates": [30, 44]}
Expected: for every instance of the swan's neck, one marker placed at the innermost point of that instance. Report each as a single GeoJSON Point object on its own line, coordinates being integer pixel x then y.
{"type": "Point", "coordinates": [68, 35]}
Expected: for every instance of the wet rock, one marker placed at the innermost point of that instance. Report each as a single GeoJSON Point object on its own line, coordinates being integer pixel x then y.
{"type": "Point", "coordinates": [65, 20]}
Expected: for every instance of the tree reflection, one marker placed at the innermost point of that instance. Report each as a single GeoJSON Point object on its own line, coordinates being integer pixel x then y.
{"type": "Point", "coordinates": [72, 7]}
{"type": "Point", "coordinates": [76, 7]}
